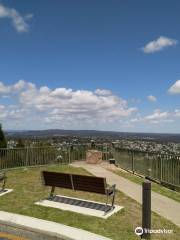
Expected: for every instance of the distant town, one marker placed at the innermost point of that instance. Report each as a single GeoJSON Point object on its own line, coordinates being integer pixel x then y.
{"type": "Point", "coordinates": [161, 143]}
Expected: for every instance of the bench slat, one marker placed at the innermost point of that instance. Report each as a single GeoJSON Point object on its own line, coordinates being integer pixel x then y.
{"type": "Point", "coordinates": [89, 183]}
{"type": "Point", "coordinates": [56, 179]}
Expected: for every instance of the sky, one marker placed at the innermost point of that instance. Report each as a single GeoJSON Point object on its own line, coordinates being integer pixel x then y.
{"type": "Point", "coordinates": [103, 65]}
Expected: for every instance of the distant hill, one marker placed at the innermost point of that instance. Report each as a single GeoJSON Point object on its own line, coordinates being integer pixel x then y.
{"type": "Point", "coordinates": [163, 137]}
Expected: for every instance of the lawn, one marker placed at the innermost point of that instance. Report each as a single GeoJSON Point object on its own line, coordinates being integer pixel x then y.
{"type": "Point", "coordinates": [155, 186]}
{"type": "Point", "coordinates": [28, 189]}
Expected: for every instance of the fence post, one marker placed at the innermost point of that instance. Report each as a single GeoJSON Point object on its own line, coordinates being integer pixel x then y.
{"type": "Point", "coordinates": [69, 155]}
{"type": "Point", "coordinates": [106, 153]}
{"type": "Point", "coordinates": [146, 209]}
{"type": "Point", "coordinates": [160, 168]}
{"type": "Point", "coordinates": [132, 153]}
{"type": "Point", "coordinates": [27, 156]}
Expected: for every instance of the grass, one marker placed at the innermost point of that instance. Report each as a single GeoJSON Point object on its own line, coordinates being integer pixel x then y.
{"type": "Point", "coordinates": [155, 186]}
{"type": "Point", "coordinates": [28, 189]}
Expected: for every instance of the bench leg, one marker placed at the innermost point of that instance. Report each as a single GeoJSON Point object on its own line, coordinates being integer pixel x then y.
{"type": "Point", "coordinates": [114, 194]}
{"type": "Point", "coordinates": [52, 192]}
{"type": "Point", "coordinates": [107, 197]}
{"type": "Point", "coordinates": [113, 198]}
{"type": "Point", "coordinates": [111, 205]}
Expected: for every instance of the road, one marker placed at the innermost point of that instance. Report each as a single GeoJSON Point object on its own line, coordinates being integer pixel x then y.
{"type": "Point", "coordinates": [7, 236]}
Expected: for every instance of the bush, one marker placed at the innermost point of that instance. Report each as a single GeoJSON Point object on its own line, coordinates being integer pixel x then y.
{"type": "Point", "coordinates": [3, 142]}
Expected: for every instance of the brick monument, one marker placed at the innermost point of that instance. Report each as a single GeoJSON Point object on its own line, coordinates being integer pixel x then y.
{"type": "Point", "coordinates": [93, 156]}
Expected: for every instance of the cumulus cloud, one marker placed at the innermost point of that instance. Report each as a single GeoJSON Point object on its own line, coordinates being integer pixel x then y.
{"type": "Point", "coordinates": [12, 89]}
{"type": "Point", "coordinates": [159, 44]}
{"type": "Point", "coordinates": [175, 88]}
{"type": "Point", "coordinates": [63, 106]}
{"type": "Point", "coordinates": [19, 22]}
{"type": "Point", "coordinates": [3, 113]}
{"type": "Point", "coordinates": [156, 117]}
{"type": "Point", "coordinates": [152, 98]}
{"type": "Point", "coordinates": [19, 85]}
{"type": "Point", "coordinates": [177, 113]}
{"type": "Point", "coordinates": [102, 92]}
{"type": "Point", "coordinates": [4, 89]}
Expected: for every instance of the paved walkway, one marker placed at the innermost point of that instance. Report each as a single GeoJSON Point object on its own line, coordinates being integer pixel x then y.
{"type": "Point", "coordinates": [162, 205]}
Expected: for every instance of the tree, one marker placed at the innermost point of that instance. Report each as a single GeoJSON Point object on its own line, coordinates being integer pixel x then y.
{"type": "Point", "coordinates": [3, 142]}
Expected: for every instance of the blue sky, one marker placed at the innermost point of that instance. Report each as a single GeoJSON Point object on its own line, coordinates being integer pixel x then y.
{"type": "Point", "coordinates": [107, 65]}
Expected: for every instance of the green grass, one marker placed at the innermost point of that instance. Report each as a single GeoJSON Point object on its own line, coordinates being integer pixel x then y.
{"type": "Point", "coordinates": [155, 186]}
{"type": "Point", "coordinates": [28, 189]}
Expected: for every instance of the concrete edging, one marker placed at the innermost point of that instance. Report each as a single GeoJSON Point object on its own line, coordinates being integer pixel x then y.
{"type": "Point", "coordinates": [51, 230]}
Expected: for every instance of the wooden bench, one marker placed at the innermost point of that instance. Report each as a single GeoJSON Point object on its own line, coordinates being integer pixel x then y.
{"type": "Point", "coordinates": [3, 180]}
{"type": "Point", "coordinates": [79, 183]}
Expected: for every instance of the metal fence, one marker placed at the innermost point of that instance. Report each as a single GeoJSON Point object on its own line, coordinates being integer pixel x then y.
{"type": "Point", "coordinates": [161, 167]}
{"type": "Point", "coordinates": [19, 157]}
{"type": "Point", "coordinates": [32, 156]}
{"type": "Point", "coordinates": [164, 168]}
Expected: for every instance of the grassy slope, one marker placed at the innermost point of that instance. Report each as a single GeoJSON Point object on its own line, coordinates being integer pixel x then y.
{"type": "Point", "coordinates": [28, 189]}
{"type": "Point", "coordinates": [155, 186]}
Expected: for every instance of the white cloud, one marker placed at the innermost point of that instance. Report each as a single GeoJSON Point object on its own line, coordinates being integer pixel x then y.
{"type": "Point", "coordinates": [159, 44]}
{"type": "Point", "coordinates": [152, 98]}
{"type": "Point", "coordinates": [11, 113]}
{"type": "Point", "coordinates": [13, 89]}
{"type": "Point", "coordinates": [43, 107]}
{"type": "Point", "coordinates": [3, 113]}
{"type": "Point", "coordinates": [18, 21]}
{"type": "Point", "coordinates": [175, 88]}
{"type": "Point", "coordinates": [19, 85]}
{"type": "Point", "coordinates": [102, 92]}
{"type": "Point", "coordinates": [156, 117]}
{"type": "Point", "coordinates": [177, 113]}
{"type": "Point", "coordinates": [4, 89]}
{"type": "Point", "coordinates": [62, 107]}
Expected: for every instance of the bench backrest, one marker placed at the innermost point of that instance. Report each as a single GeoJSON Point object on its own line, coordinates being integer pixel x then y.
{"type": "Point", "coordinates": [75, 182]}
{"type": "Point", "coordinates": [55, 179]}
{"type": "Point", "coordinates": [89, 183]}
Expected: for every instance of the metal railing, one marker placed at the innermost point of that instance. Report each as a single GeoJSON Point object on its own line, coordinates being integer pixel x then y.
{"type": "Point", "coordinates": [164, 168]}
{"type": "Point", "coordinates": [32, 156]}
{"type": "Point", "coordinates": [21, 157]}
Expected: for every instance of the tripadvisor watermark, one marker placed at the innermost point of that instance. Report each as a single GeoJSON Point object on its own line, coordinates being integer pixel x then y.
{"type": "Point", "coordinates": [139, 231]}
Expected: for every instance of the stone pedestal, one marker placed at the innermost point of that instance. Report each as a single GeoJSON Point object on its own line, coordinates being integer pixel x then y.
{"type": "Point", "coordinates": [93, 156]}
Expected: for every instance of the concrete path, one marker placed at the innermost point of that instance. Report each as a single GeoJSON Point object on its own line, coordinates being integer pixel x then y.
{"type": "Point", "coordinates": [162, 205]}
{"type": "Point", "coordinates": [46, 229]}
